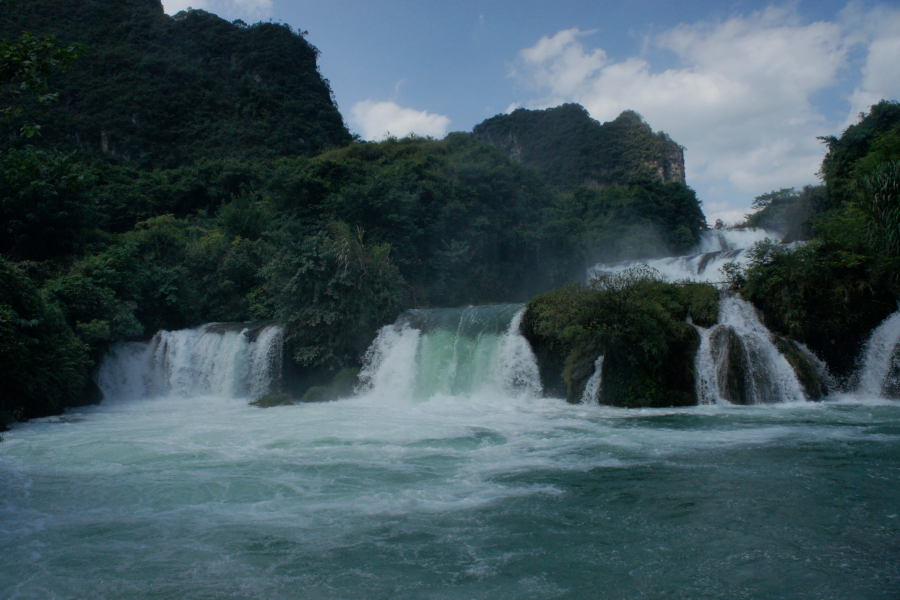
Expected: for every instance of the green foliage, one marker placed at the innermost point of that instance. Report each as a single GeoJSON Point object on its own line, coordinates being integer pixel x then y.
{"type": "Point", "coordinates": [873, 140]}
{"type": "Point", "coordinates": [45, 367]}
{"type": "Point", "coordinates": [25, 66]}
{"type": "Point", "coordinates": [45, 205]}
{"type": "Point", "coordinates": [774, 198]}
{"type": "Point", "coordinates": [788, 212]}
{"type": "Point", "coordinates": [633, 318]}
{"type": "Point", "coordinates": [333, 291]}
{"type": "Point", "coordinates": [570, 149]}
{"type": "Point", "coordinates": [880, 201]}
{"type": "Point", "coordinates": [641, 220]}
{"type": "Point", "coordinates": [157, 91]}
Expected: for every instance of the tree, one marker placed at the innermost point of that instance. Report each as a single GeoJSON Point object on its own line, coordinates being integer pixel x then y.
{"type": "Point", "coordinates": [774, 198]}
{"type": "Point", "coordinates": [25, 66]}
{"type": "Point", "coordinates": [881, 203]}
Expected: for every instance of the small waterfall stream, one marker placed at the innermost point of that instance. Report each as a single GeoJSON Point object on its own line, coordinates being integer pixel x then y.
{"type": "Point", "coordinates": [591, 393]}
{"type": "Point", "coordinates": [452, 351]}
{"type": "Point", "coordinates": [738, 362]}
{"type": "Point", "coordinates": [880, 371]}
{"type": "Point", "coordinates": [223, 359]}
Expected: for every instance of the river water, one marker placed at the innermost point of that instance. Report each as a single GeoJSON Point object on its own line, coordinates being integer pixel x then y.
{"type": "Point", "coordinates": [478, 496]}
{"type": "Point", "coordinates": [449, 475]}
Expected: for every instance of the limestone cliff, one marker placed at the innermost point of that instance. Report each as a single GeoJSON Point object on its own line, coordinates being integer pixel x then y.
{"type": "Point", "coordinates": [571, 149]}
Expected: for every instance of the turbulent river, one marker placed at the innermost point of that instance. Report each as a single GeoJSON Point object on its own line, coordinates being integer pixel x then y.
{"type": "Point", "coordinates": [447, 475]}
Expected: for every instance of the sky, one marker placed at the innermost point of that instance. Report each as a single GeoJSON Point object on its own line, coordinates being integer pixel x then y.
{"type": "Point", "coordinates": [745, 86]}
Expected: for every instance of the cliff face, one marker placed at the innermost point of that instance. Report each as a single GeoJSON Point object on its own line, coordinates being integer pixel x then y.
{"type": "Point", "coordinates": [159, 91]}
{"type": "Point", "coordinates": [571, 149]}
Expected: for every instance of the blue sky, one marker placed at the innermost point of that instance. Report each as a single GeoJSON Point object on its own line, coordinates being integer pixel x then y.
{"type": "Point", "coordinates": [745, 86]}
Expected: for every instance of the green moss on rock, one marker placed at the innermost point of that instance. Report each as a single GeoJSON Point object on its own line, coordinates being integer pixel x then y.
{"type": "Point", "coordinates": [637, 321]}
{"type": "Point", "coordinates": [807, 372]}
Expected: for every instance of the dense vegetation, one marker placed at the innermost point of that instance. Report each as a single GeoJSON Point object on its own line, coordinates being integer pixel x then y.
{"type": "Point", "coordinates": [830, 293]}
{"type": "Point", "coordinates": [570, 149]}
{"type": "Point", "coordinates": [155, 91]}
{"type": "Point", "coordinates": [637, 322]}
{"type": "Point", "coordinates": [195, 170]}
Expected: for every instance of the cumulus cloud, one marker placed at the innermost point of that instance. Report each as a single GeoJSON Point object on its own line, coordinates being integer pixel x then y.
{"type": "Point", "coordinates": [739, 97]}
{"type": "Point", "coordinates": [376, 120]}
{"type": "Point", "coordinates": [228, 9]}
{"type": "Point", "coordinates": [880, 31]}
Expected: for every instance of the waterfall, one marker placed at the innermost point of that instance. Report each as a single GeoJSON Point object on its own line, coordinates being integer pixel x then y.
{"type": "Point", "coordinates": [225, 359]}
{"type": "Point", "coordinates": [591, 394]}
{"type": "Point", "coordinates": [738, 362]}
{"type": "Point", "coordinates": [716, 248]}
{"type": "Point", "coordinates": [452, 351]}
{"type": "Point", "coordinates": [880, 373]}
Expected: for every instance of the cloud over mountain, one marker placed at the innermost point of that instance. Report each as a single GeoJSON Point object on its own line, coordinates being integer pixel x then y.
{"type": "Point", "coordinates": [375, 120]}
{"type": "Point", "coordinates": [739, 96]}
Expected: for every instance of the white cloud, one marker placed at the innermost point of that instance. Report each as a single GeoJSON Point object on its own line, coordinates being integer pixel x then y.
{"type": "Point", "coordinates": [740, 97]}
{"type": "Point", "coordinates": [227, 9]}
{"type": "Point", "coordinates": [880, 30]}
{"type": "Point", "coordinates": [375, 120]}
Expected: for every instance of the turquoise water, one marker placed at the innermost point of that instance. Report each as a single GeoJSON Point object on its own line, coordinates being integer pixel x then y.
{"type": "Point", "coordinates": [454, 497]}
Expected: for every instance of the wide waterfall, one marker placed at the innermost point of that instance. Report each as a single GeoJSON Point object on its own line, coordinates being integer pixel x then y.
{"type": "Point", "coordinates": [716, 248]}
{"type": "Point", "coordinates": [880, 372]}
{"type": "Point", "coordinates": [223, 359]}
{"type": "Point", "coordinates": [738, 362]}
{"type": "Point", "coordinates": [452, 351]}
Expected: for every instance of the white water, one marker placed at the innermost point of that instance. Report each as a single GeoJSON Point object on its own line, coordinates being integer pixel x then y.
{"type": "Point", "coordinates": [460, 352]}
{"type": "Point", "coordinates": [770, 378]}
{"type": "Point", "coordinates": [447, 476]}
{"type": "Point", "coordinates": [716, 249]}
{"type": "Point", "coordinates": [591, 394]}
{"type": "Point", "coordinates": [881, 357]}
{"type": "Point", "coordinates": [216, 359]}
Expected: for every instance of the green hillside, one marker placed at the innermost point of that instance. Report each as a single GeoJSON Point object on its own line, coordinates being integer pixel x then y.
{"type": "Point", "coordinates": [159, 91]}
{"type": "Point", "coordinates": [571, 149]}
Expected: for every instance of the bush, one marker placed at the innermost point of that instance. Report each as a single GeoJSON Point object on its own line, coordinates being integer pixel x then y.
{"type": "Point", "coordinates": [637, 321]}
{"type": "Point", "coordinates": [45, 366]}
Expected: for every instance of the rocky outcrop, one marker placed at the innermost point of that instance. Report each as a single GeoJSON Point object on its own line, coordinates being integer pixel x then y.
{"type": "Point", "coordinates": [571, 149]}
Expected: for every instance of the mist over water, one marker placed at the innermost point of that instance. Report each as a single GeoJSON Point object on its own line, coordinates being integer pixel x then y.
{"type": "Point", "coordinates": [449, 475]}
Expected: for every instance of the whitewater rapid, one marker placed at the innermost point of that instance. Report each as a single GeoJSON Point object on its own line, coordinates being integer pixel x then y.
{"type": "Point", "coordinates": [716, 249]}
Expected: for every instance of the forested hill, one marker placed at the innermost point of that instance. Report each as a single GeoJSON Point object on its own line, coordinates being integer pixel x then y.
{"type": "Point", "coordinates": [158, 91]}
{"type": "Point", "coordinates": [571, 149]}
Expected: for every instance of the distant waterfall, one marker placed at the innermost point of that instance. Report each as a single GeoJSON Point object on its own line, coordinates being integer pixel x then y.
{"type": "Point", "coordinates": [716, 248]}
{"type": "Point", "coordinates": [591, 394]}
{"type": "Point", "coordinates": [880, 372]}
{"type": "Point", "coordinates": [738, 363]}
{"type": "Point", "coordinates": [452, 351]}
{"type": "Point", "coordinates": [224, 359]}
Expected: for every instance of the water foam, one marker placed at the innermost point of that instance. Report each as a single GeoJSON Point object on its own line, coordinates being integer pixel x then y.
{"type": "Point", "coordinates": [740, 338]}
{"type": "Point", "coordinates": [881, 358]}
{"type": "Point", "coordinates": [591, 394]}
{"type": "Point", "coordinates": [230, 360]}
{"type": "Point", "coordinates": [716, 249]}
{"type": "Point", "coordinates": [451, 352]}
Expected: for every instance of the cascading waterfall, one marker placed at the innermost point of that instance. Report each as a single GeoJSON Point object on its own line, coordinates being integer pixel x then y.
{"type": "Point", "coordinates": [591, 394]}
{"type": "Point", "coordinates": [738, 363]}
{"type": "Point", "coordinates": [716, 248]}
{"type": "Point", "coordinates": [880, 372]}
{"type": "Point", "coordinates": [224, 359]}
{"type": "Point", "coordinates": [452, 351]}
